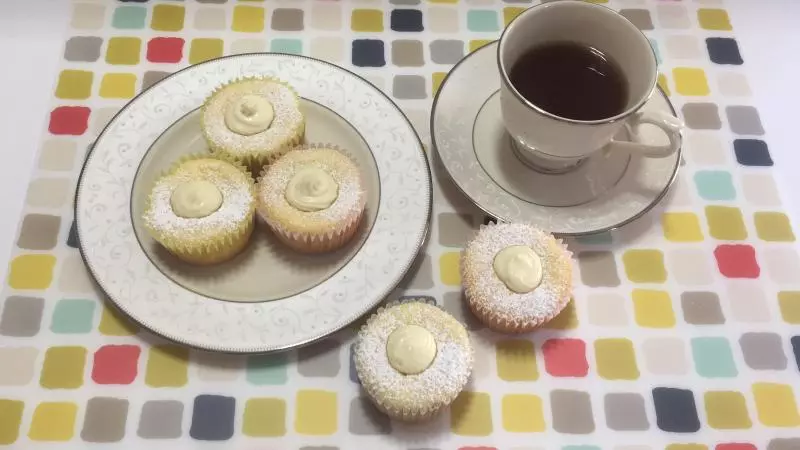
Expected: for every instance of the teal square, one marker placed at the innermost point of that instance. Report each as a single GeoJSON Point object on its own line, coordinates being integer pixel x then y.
{"type": "Point", "coordinates": [713, 357]}
{"type": "Point", "coordinates": [73, 316]}
{"type": "Point", "coordinates": [595, 239]}
{"type": "Point", "coordinates": [483, 20]}
{"type": "Point", "coordinates": [715, 185]}
{"type": "Point", "coordinates": [654, 46]}
{"type": "Point", "coordinates": [294, 46]}
{"type": "Point", "coordinates": [129, 17]}
{"type": "Point", "coordinates": [267, 369]}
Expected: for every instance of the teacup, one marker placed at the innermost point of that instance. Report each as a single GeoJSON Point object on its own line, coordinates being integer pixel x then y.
{"type": "Point", "coordinates": [556, 144]}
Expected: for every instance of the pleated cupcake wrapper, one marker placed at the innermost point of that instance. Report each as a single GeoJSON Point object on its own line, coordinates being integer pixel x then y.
{"type": "Point", "coordinates": [408, 414]}
{"type": "Point", "coordinates": [502, 323]}
{"type": "Point", "coordinates": [214, 245]}
{"type": "Point", "coordinates": [256, 161]}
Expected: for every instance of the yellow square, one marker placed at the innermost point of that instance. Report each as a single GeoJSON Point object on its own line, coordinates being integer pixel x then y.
{"type": "Point", "coordinates": [118, 85]}
{"type": "Point", "coordinates": [203, 49]}
{"type": "Point", "coordinates": [264, 417]}
{"type": "Point", "coordinates": [112, 323]}
{"type": "Point", "coordinates": [74, 84]}
{"type": "Point", "coordinates": [773, 227]}
{"type": "Point", "coordinates": [727, 410]}
{"type": "Point", "coordinates": [366, 20]}
{"type": "Point", "coordinates": [681, 227]}
{"type": "Point", "coordinates": [664, 84]}
{"type": "Point", "coordinates": [653, 309]}
{"type": "Point", "coordinates": [167, 366]}
{"type": "Point", "coordinates": [725, 223]}
{"type": "Point", "coordinates": [516, 360]}
{"type": "Point", "coordinates": [63, 368]}
{"type": "Point", "coordinates": [123, 50]}
{"type": "Point", "coordinates": [443, 1]}
{"type": "Point", "coordinates": [776, 405]}
{"type": "Point", "coordinates": [510, 13]}
{"type": "Point", "coordinates": [167, 18]}
{"type": "Point", "coordinates": [616, 359]}
{"type": "Point", "coordinates": [315, 412]}
{"type": "Point", "coordinates": [714, 19]}
{"type": "Point", "coordinates": [31, 271]}
{"type": "Point", "coordinates": [687, 447]}
{"type": "Point", "coordinates": [690, 81]}
{"type": "Point", "coordinates": [789, 302]}
{"type": "Point", "coordinates": [10, 420]}
{"type": "Point", "coordinates": [437, 79]}
{"type": "Point", "coordinates": [645, 266]}
{"type": "Point", "coordinates": [53, 421]}
{"type": "Point", "coordinates": [248, 19]}
{"type": "Point", "coordinates": [449, 269]}
{"type": "Point", "coordinates": [566, 320]}
{"type": "Point", "coordinates": [478, 43]}
{"type": "Point", "coordinates": [522, 413]}
{"type": "Point", "coordinates": [471, 414]}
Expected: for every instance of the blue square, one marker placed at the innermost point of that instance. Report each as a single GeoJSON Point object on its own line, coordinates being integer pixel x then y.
{"type": "Point", "coordinates": [795, 340]}
{"type": "Point", "coordinates": [73, 316]}
{"type": "Point", "coordinates": [724, 51]}
{"type": "Point", "coordinates": [654, 46]}
{"type": "Point", "coordinates": [212, 418]}
{"type": "Point", "coordinates": [129, 17]}
{"type": "Point", "coordinates": [368, 53]}
{"type": "Point", "coordinates": [713, 357]}
{"type": "Point", "coordinates": [676, 411]}
{"type": "Point", "coordinates": [406, 20]}
{"type": "Point", "coordinates": [752, 152]}
{"type": "Point", "coordinates": [267, 369]}
{"type": "Point", "coordinates": [293, 46]}
{"type": "Point", "coordinates": [715, 185]}
{"type": "Point", "coordinates": [483, 20]}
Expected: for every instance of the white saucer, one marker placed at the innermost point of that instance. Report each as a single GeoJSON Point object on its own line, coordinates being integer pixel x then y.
{"type": "Point", "coordinates": [608, 189]}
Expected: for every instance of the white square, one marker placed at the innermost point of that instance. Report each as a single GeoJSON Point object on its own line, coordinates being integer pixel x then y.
{"type": "Point", "coordinates": [690, 267]}
{"type": "Point", "coordinates": [665, 356]}
{"type": "Point", "coordinates": [607, 310]}
{"type": "Point", "coordinates": [747, 301]}
{"type": "Point", "coordinates": [328, 48]}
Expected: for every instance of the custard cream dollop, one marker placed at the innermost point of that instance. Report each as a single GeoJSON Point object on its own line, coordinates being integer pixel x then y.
{"type": "Point", "coordinates": [410, 349]}
{"type": "Point", "coordinates": [311, 189]}
{"type": "Point", "coordinates": [195, 199]}
{"type": "Point", "coordinates": [249, 115]}
{"type": "Point", "coordinates": [519, 268]}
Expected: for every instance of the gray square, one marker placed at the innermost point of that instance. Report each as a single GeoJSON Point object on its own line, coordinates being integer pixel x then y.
{"type": "Point", "coordinates": [455, 229]}
{"type": "Point", "coordinates": [456, 305]}
{"type": "Point", "coordinates": [104, 420]}
{"type": "Point", "coordinates": [161, 419]}
{"type": "Point", "coordinates": [152, 77]}
{"type": "Point", "coordinates": [598, 269]}
{"type": "Point", "coordinates": [285, 19]}
{"type": "Point", "coordinates": [409, 87]}
{"type": "Point", "coordinates": [639, 17]}
{"type": "Point", "coordinates": [407, 53]}
{"type": "Point", "coordinates": [319, 360]}
{"type": "Point", "coordinates": [744, 120]}
{"type": "Point", "coordinates": [763, 351]}
{"type": "Point", "coordinates": [784, 444]}
{"type": "Point", "coordinates": [21, 317]}
{"type": "Point", "coordinates": [626, 412]}
{"type": "Point", "coordinates": [39, 232]}
{"type": "Point", "coordinates": [421, 276]}
{"type": "Point", "coordinates": [365, 419]}
{"type": "Point", "coordinates": [701, 308]}
{"type": "Point", "coordinates": [447, 51]}
{"type": "Point", "coordinates": [572, 412]}
{"type": "Point", "coordinates": [83, 49]}
{"type": "Point", "coordinates": [701, 116]}
{"type": "Point", "coordinates": [405, 2]}
{"type": "Point", "coordinates": [217, 2]}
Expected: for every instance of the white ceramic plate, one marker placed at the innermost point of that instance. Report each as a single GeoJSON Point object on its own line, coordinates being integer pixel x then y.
{"type": "Point", "coordinates": [607, 191]}
{"type": "Point", "coordinates": [268, 298]}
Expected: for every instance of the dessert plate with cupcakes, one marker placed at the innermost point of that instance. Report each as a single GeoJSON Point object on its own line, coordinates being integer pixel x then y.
{"type": "Point", "coordinates": [253, 203]}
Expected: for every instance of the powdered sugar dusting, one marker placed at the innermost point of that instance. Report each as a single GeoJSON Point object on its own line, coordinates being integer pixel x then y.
{"type": "Point", "coordinates": [485, 290]}
{"type": "Point", "coordinates": [436, 386]}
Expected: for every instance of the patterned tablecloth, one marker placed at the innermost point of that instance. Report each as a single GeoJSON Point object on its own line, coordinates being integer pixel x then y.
{"type": "Point", "coordinates": [680, 335]}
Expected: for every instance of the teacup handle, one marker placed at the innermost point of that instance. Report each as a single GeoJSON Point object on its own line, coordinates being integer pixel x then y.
{"type": "Point", "coordinates": [668, 123]}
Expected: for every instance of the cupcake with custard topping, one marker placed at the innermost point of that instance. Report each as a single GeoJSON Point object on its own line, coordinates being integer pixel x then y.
{"type": "Point", "coordinates": [516, 277]}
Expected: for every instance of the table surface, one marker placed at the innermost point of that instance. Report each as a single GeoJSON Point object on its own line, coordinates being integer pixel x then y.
{"type": "Point", "coordinates": [696, 360]}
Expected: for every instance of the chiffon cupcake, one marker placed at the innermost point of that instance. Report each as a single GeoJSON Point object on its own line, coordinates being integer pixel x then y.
{"type": "Point", "coordinates": [413, 359]}
{"type": "Point", "coordinates": [253, 120]}
{"type": "Point", "coordinates": [202, 210]}
{"type": "Point", "coordinates": [312, 198]}
{"type": "Point", "coordinates": [516, 277]}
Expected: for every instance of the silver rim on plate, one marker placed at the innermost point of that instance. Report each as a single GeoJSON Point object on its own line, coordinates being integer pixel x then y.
{"type": "Point", "coordinates": [115, 259]}
{"type": "Point", "coordinates": [460, 98]}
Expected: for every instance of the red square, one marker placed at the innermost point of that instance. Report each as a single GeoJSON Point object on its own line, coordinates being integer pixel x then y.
{"type": "Point", "coordinates": [165, 50]}
{"type": "Point", "coordinates": [565, 357]}
{"type": "Point", "coordinates": [737, 261]}
{"type": "Point", "coordinates": [72, 120]}
{"type": "Point", "coordinates": [116, 364]}
{"type": "Point", "coordinates": [735, 446]}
